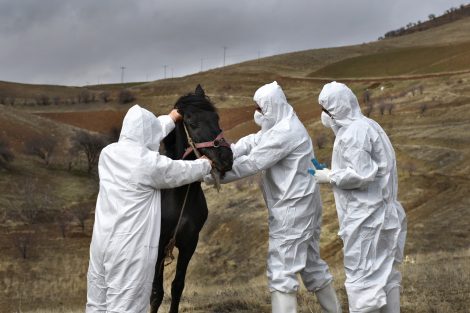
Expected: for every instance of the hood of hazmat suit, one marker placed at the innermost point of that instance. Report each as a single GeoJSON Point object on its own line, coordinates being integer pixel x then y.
{"type": "Point", "coordinates": [126, 232]}
{"type": "Point", "coordinates": [365, 185]}
{"type": "Point", "coordinates": [282, 151]}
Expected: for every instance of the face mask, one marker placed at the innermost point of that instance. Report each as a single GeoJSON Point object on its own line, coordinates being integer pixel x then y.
{"type": "Point", "coordinates": [262, 121]}
{"type": "Point", "coordinates": [328, 122]}
{"type": "Point", "coordinates": [258, 118]}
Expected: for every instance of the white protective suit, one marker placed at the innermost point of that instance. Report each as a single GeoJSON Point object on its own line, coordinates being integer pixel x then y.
{"type": "Point", "coordinates": [372, 221]}
{"type": "Point", "coordinates": [282, 151]}
{"type": "Point", "coordinates": [126, 233]}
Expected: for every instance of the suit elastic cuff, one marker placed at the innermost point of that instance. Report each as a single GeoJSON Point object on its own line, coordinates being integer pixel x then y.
{"type": "Point", "coordinates": [167, 124]}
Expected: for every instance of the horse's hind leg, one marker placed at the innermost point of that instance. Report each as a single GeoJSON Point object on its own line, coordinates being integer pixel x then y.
{"type": "Point", "coordinates": [186, 251]}
{"type": "Point", "coordinates": [156, 297]}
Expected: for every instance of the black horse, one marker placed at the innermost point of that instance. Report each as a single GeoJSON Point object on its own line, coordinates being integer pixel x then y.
{"type": "Point", "coordinates": [202, 123]}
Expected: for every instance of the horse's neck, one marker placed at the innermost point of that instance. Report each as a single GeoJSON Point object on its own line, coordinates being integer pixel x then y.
{"type": "Point", "coordinates": [176, 144]}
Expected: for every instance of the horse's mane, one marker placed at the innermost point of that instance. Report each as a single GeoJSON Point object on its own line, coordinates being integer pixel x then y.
{"type": "Point", "coordinates": [194, 102]}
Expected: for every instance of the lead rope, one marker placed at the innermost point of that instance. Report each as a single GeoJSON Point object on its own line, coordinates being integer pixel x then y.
{"type": "Point", "coordinates": [168, 252]}
{"type": "Point", "coordinates": [171, 244]}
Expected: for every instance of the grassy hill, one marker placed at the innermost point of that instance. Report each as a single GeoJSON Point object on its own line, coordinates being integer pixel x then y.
{"type": "Point", "coordinates": [401, 61]}
{"type": "Point", "coordinates": [419, 90]}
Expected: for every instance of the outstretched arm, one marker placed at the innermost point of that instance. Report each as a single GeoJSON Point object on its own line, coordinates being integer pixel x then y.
{"type": "Point", "coordinates": [271, 148]}
{"type": "Point", "coordinates": [244, 145]}
{"type": "Point", "coordinates": [168, 173]}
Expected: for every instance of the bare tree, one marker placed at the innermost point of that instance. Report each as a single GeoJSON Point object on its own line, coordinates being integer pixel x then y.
{"type": "Point", "coordinates": [382, 108]}
{"type": "Point", "coordinates": [321, 140]}
{"type": "Point", "coordinates": [89, 144]}
{"type": "Point", "coordinates": [410, 167]}
{"type": "Point", "coordinates": [84, 96]}
{"type": "Point", "coordinates": [421, 89]}
{"type": "Point", "coordinates": [423, 108]}
{"type": "Point", "coordinates": [56, 100]}
{"type": "Point", "coordinates": [43, 100]}
{"type": "Point", "coordinates": [114, 134]}
{"type": "Point", "coordinates": [63, 222]}
{"type": "Point", "coordinates": [23, 242]}
{"type": "Point", "coordinates": [105, 96]}
{"type": "Point", "coordinates": [11, 101]}
{"type": "Point", "coordinates": [42, 147]}
{"type": "Point", "coordinates": [6, 156]}
{"type": "Point", "coordinates": [126, 96]}
{"type": "Point", "coordinates": [33, 201]}
{"type": "Point", "coordinates": [369, 108]}
{"type": "Point", "coordinates": [81, 213]}
{"type": "Point", "coordinates": [366, 97]}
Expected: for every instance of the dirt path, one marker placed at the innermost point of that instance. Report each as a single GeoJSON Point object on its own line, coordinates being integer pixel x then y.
{"type": "Point", "coordinates": [374, 79]}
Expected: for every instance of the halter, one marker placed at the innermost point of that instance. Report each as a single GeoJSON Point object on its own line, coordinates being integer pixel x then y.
{"type": "Point", "coordinates": [219, 141]}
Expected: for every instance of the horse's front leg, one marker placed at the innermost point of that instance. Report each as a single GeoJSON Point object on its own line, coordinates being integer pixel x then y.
{"type": "Point", "coordinates": [185, 252]}
{"type": "Point", "coordinates": [156, 297]}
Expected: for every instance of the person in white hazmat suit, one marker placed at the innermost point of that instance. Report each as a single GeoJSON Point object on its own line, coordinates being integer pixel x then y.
{"type": "Point", "coordinates": [372, 222]}
{"type": "Point", "coordinates": [282, 151]}
{"type": "Point", "coordinates": [124, 245]}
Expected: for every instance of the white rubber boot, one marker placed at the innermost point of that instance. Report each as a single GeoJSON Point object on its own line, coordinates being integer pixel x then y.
{"type": "Point", "coordinates": [393, 301]}
{"type": "Point", "coordinates": [283, 302]}
{"type": "Point", "coordinates": [328, 300]}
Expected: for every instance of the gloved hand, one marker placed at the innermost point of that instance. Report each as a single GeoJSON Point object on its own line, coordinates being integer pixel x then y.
{"type": "Point", "coordinates": [318, 165]}
{"type": "Point", "coordinates": [322, 176]}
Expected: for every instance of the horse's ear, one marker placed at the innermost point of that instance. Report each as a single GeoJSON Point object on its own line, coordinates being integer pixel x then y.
{"type": "Point", "coordinates": [199, 91]}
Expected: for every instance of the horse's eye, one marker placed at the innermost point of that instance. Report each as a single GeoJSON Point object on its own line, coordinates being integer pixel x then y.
{"type": "Point", "coordinates": [194, 125]}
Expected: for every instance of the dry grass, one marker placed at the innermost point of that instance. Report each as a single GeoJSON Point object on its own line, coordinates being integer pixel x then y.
{"type": "Point", "coordinates": [432, 283]}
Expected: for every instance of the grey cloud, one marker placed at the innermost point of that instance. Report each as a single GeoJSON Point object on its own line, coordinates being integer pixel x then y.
{"type": "Point", "coordinates": [75, 42]}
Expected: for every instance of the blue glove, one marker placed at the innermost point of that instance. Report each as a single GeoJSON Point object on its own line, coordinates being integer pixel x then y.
{"type": "Point", "coordinates": [321, 172]}
{"type": "Point", "coordinates": [318, 165]}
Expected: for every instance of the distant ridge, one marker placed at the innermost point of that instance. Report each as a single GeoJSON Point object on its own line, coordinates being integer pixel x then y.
{"type": "Point", "coordinates": [451, 15]}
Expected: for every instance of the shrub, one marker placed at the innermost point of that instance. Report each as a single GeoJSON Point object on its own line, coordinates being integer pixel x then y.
{"type": "Point", "coordinates": [6, 156]}
{"type": "Point", "coordinates": [126, 96]}
{"type": "Point", "coordinates": [42, 147]}
{"type": "Point", "coordinates": [423, 108]}
{"type": "Point", "coordinates": [89, 144]}
{"type": "Point", "coordinates": [105, 96]}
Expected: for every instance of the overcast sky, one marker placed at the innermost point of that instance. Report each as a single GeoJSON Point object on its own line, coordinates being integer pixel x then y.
{"type": "Point", "coordinates": [82, 42]}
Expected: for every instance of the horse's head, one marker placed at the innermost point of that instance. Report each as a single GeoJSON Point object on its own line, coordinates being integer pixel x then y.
{"type": "Point", "coordinates": [202, 123]}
